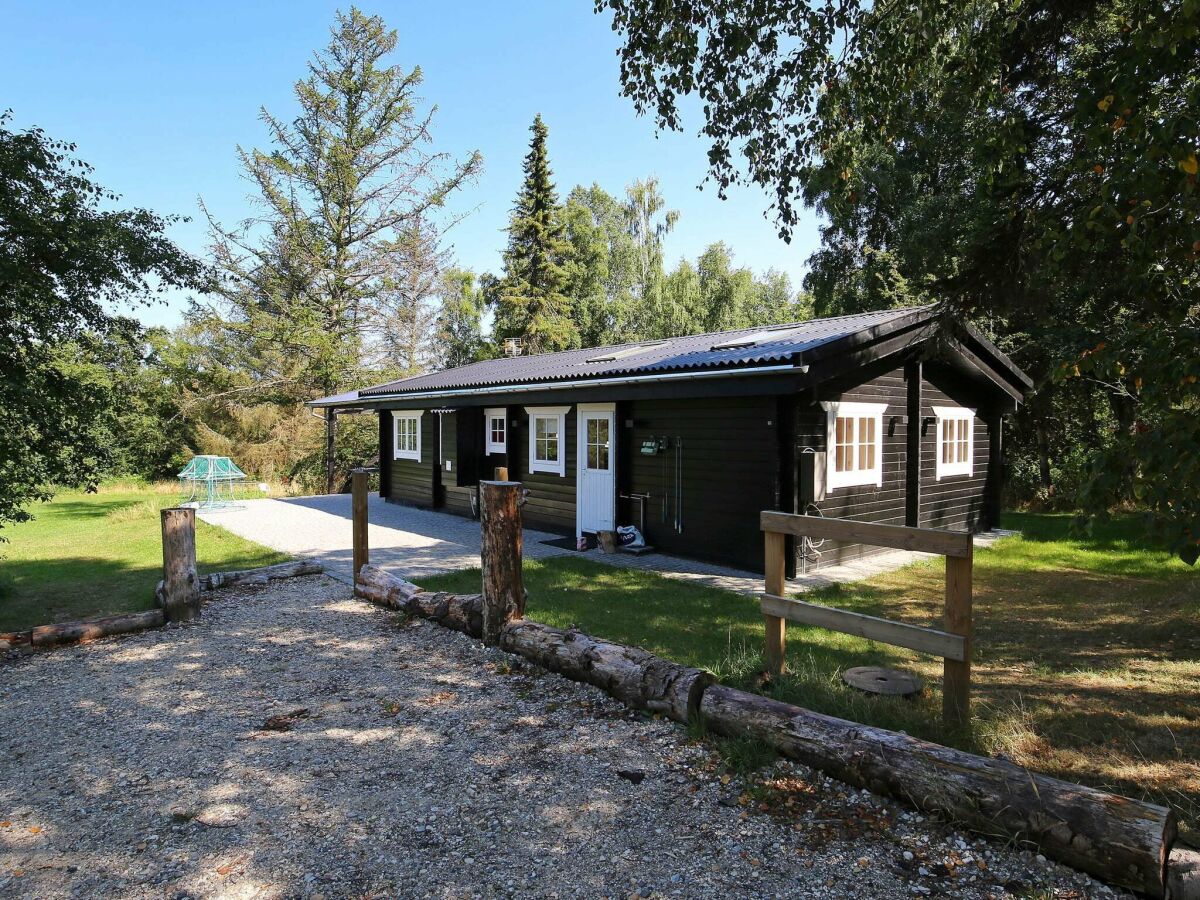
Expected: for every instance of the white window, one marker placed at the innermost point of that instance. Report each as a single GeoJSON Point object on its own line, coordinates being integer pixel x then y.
{"type": "Point", "coordinates": [854, 444]}
{"type": "Point", "coordinates": [406, 434]}
{"type": "Point", "coordinates": [955, 441]}
{"type": "Point", "coordinates": [547, 439]}
{"type": "Point", "coordinates": [496, 423]}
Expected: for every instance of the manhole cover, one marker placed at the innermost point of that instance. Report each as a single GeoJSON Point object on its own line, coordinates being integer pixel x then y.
{"type": "Point", "coordinates": [878, 680]}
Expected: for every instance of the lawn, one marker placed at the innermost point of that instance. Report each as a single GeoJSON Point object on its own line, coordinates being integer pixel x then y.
{"type": "Point", "coordinates": [98, 554]}
{"type": "Point", "coordinates": [1087, 650]}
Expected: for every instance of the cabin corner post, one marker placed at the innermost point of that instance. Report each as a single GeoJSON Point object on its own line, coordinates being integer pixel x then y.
{"type": "Point", "coordinates": [775, 544]}
{"type": "Point", "coordinates": [913, 373]}
{"type": "Point", "coordinates": [956, 674]}
{"type": "Point", "coordinates": [181, 583]}
{"type": "Point", "coordinates": [500, 556]}
{"type": "Point", "coordinates": [358, 506]}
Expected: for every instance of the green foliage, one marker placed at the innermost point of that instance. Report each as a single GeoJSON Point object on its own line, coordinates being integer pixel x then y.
{"type": "Point", "coordinates": [1032, 166]}
{"type": "Point", "coordinates": [460, 322]}
{"type": "Point", "coordinates": [532, 304]}
{"type": "Point", "coordinates": [67, 261]}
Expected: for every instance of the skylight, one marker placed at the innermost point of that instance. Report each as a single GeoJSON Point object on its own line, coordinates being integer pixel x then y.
{"type": "Point", "coordinates": [758, 337]}
{"type": "Point", "coordinates": [624, 352]}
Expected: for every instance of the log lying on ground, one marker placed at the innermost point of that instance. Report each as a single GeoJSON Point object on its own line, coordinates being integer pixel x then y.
{"type": "Point", "coordinates": [635, 677]}
{"type": "Point", "coordinates": [91, 629]}
{"type": "Point", "coordinates": [1119, 840]}
{"type": "Point", "coordinates": [461, 612]}
{"type": "Point", "coordinates": [262, 575]}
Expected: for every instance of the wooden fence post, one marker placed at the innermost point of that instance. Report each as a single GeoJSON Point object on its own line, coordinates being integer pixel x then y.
{"type": "Point", "coordinates": [503, 582]}
{"type": "Point", "coordinates": [776, 578]}
{"type": "Point", "coordinates": [359, 482]}
{"type": "Point", "coordinates": [956, 676]}
{"type": "Point", "coordinates": [181, 584]}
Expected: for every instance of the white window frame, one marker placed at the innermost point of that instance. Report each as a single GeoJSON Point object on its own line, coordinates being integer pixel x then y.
{"type": "Point", "coordinates": [406, 415]}
{"type": "Point", "coordinates": [856, 477]}
{"type": "Point", "coordinates": [555, 467]}
{"type": "Point", "coordinates": [488, 416]}
{"type": "Point", "coordinates": [955, 414]}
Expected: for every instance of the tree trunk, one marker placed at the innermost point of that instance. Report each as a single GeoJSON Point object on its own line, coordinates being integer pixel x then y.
{"type": "Point", "coordinates": [90, 630]}
{"type": "Point", "coordinates": [1043, 451]}
{"type": "Point", "coordinates": [1117, 839]}
{"type": "Point", "coordinates": [181, 585]}
{"type": "Point", "coordinates": [635, 677]}
{"type": "Point", "coordinates": [500, 554]}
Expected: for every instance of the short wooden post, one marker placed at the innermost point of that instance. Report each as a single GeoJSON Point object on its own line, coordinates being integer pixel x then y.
{"type": "Point", "coordinates": [181, 584]}
{"type": "Point", "coordinates": [503, 582]}
{"type": "Point", "coordinates": [776, 577]}
{"type": "Point", "coordinates": [501, 473]}
{"type": "Point", "coordinates": [956, 676]}
{"type": "Point", "coordinates": [359, 481]}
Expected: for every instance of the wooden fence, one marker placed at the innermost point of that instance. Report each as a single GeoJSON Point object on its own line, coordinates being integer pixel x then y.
{"type": "Point", "coordinates": [953, 644]}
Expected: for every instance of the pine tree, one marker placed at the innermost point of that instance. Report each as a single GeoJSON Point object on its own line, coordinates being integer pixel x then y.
{"type": "Point", "coordinates": [346, 196]}
{"type": "Point", "coordinates": [532, 303]}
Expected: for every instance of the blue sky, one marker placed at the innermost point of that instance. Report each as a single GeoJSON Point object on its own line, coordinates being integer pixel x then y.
{"type": "Point", "coordinates": [157, 95]}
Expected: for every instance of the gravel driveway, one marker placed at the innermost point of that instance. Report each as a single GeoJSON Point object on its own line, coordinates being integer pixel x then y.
{"type": "Point", "coordinates": [297, 742]}
{"type": "Point", "coordinates": [412, 543]}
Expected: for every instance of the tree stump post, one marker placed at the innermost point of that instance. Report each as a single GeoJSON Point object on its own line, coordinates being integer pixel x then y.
{"type": "Point", "coordinates": [358, 508]}
{"type": "Point", "coordinates": [181, 584]}
{"type": "Point", "coordinates": [776, 583]}
{"type": "Point", "coordinates": [503, 582]}
{"type": "Point", "coordinates": [956, 676]}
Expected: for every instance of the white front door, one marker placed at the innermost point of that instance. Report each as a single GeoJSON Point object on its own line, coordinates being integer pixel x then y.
{"type": "Point", "coordinates": [597, 485]}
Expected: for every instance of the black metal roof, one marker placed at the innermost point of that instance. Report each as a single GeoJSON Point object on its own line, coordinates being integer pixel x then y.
{"type": "Point", "coordinates": [831, 344]}
{"type": "Point", "coordinates": [723, 349]}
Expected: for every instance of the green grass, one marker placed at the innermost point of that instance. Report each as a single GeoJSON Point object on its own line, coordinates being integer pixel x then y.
{"type": "Point", "coordinates": [99, 554]}
{"type": "Point", "coordinates": [1087, 650]}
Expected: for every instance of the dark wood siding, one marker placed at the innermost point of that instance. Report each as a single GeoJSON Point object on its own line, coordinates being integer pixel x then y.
{"type": "Point", "coordinates": [728, 474]}
{"type": "Point", "coordinates": [868, 503]}
{"type": "Point", "coordinates": [551, 502]}
{"type": "Point", "coordinates": [957, 502]}
{"type": "Point", "coordinates": [412, 481]}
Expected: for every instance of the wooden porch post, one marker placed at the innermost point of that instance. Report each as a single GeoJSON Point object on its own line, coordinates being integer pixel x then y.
{"type": "Point", "coordinates": [500, 552]}
{"type": "Point", "coordinates": [330, 449]}
{"type": "Point", "coordinates": [776, 578]}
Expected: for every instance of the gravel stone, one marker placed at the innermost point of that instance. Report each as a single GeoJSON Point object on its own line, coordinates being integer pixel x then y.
{"type": "Point", "coordinates": [297, 742]}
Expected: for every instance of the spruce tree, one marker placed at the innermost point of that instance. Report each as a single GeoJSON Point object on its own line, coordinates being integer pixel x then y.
{"type": "Point", "coordinates": [532, 304]}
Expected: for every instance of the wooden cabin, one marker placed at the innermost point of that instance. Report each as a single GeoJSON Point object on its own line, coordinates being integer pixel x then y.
{"type": "Point", "coordinates": [873, 416]}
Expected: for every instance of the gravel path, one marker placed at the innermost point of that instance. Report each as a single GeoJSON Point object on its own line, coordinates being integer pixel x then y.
{"type": "Point", "coordinates": [298, 742]}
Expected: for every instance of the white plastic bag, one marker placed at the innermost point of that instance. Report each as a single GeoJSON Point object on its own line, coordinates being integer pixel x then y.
{"type": "Point", "coordinates": [629, 536]}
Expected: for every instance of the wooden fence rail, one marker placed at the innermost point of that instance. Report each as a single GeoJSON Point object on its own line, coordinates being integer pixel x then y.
{"type": "Point", "coordinates": [953, 644]}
